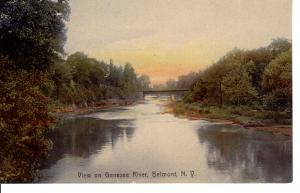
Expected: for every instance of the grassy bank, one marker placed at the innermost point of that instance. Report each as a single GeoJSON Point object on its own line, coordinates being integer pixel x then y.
{"type": "Point", "coordinates": [257, 119]}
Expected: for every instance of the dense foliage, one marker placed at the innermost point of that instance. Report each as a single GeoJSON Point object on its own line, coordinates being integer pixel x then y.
{"type": "Point", "coordinates": [24, 121]}
{"type": "Point", "coordinates": [82, 81]}
{"type": "Point", "coordinates": [35, 73]}
{"type": "Point", "coordinates": [34, 76]}
{"type": "Point", "coordinates": [32, 33]}
{"type": "Point", "coordinates": [260, 77]}
{"type": "Point", "coordinates": [277, 82]}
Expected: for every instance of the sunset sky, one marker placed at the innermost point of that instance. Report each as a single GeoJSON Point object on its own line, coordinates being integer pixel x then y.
{"type": "Point", "coordinates": [167, 38]}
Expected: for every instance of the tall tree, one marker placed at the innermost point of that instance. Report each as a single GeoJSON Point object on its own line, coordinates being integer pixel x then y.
{"type": "Point", "coordinates": [32, 33]}
{"type": "Point", "coordinates": [129, 83]}
{"type": "Point", "coordinates": [277, 82]}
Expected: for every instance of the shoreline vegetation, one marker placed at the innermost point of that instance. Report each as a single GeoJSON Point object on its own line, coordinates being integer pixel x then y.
{"type": "Point", "coordinates": [37, 77]}
{"type": "Point", "coordinates": [256, 120]}
{"type": "Point", "coordinates": [252, 88]}
{"type": "Point", "coordinates": [63, 112]}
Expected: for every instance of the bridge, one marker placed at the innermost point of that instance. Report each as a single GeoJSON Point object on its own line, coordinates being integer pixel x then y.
{"type": "Point", "coordinates": [167, 91]}
{"type": "Point", "coordinates": [175, 94]}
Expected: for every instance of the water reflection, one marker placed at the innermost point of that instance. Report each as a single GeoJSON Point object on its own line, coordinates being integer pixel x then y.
{"type": "Point", "coordinates": [247, 155]}
{"type": "Point", "coordinates": [84, 136]}
{"type": "Point", "coordinates": [140, 138]}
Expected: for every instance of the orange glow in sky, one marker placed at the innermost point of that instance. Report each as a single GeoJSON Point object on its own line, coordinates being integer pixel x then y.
{"type": "Point", "coordinates": [168, 38]}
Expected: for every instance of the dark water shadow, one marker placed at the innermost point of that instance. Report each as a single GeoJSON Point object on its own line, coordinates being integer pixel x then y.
{"type": "Point", "coordinates": [84, 136]}
{"type": "Point", "coordinates": [247, 155]}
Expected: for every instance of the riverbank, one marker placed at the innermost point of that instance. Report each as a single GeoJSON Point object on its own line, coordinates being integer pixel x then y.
{"type": "Point", "coordinates": [260, 120]}
{"type": "Point", "coordinates": [63, 112]}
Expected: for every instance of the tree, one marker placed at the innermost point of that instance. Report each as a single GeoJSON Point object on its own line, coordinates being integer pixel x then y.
{"type": "Point", "coordinates": [237, 87]}
{"type": "Point", "coordinates": [144, 81]}
{"type": "Point", "coordinates": [115, 75]}
{"type": "Point", "coordinates": [129, 82]}
{"type": "Point", "coordinates": [171, 84]}
{"type": "Point", "coordinates": [186, 81]}
{"type": "Point", "coordinates": [32, 33]}
{"type": "Point", "coordinates": [248, 75]}
{"type": "Point", "coordinates": [24, 120]}
{"type": "Point", "coordinates": [277, 82]}
{"type": "Point", "coordinates": [85, 70]}
{"type": "Point", "coordinates": [207, 88]}
{"type": "Point", "coordinates": [62, 79]}
{"type": "Point", "coordinates": [279, 45]}
{"type": "Point", "coordinates": [88, 77]}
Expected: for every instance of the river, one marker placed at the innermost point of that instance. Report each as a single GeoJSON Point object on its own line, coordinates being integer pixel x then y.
{"type": "Point", "coordinates": [140, 144]}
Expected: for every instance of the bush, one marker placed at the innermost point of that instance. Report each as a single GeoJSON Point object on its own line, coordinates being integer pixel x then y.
{"type": "Point", "coordinates": [24, 120]}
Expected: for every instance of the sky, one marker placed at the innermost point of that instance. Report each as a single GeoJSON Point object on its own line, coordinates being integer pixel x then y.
{"type": "Point", "coordinates": [168, 38]}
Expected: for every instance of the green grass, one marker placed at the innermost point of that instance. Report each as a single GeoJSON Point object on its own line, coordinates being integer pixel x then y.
{"type": "Point", "coordinates": [238, 114]}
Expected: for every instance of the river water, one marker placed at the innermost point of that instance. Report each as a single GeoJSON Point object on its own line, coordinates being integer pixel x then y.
{"type": "Point", "coordinates": [140, 144]}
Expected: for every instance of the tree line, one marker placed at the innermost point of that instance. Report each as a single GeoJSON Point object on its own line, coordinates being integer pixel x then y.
{"type": "Point", "coordinates": [83, 81]}
{"type": "Point", "coordinates": [182, 82]}
{"type": "Point", "coordinates": [259, 78]}
{"type": "Point", "coordinates": [36, 74]}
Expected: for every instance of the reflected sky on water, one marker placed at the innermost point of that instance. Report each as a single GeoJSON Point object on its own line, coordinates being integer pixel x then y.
{"type": "Point", "coordinates": [141, 138]}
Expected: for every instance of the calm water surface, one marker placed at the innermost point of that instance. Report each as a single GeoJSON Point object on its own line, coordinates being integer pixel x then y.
{"type": "Point", "coordinates": [139, 138]}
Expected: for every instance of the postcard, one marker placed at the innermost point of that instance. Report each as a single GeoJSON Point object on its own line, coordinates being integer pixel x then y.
{"type": "Point", "coordinates": [146, 91]}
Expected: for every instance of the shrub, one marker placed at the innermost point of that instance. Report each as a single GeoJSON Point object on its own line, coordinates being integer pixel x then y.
{"type": "Point", "coordinates": [24, 120]}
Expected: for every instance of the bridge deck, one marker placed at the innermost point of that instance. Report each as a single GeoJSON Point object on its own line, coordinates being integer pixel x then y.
{"type": "Point", "coordinates": [165, 91]}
